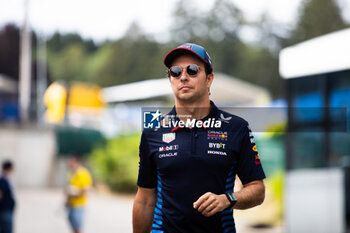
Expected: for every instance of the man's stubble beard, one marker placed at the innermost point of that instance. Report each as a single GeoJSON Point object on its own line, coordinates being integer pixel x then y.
{"type": "Point", "coordinates": [189, 97]}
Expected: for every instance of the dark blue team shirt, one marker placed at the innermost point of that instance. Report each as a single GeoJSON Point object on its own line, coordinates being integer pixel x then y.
{"type": "Point", "coordinates": [185, 163]}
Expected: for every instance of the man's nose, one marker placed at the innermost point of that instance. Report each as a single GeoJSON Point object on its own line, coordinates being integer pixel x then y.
{"type": "Point", "coordinates": [184, 75]}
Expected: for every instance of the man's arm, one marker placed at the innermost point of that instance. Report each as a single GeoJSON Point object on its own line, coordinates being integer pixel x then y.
{"type": "Point", "coordinates": [142, 214]}
{"type": "Point", "coordinates": [252, 194]}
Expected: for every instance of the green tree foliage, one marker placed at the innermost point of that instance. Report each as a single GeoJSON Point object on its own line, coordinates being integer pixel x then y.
{"type": "Point", "coordinates": [223, 21]}
{"type": "Point", "coordinates": [132, 58]}
{"type": "Point", "coordinates": [260, 66]}
{"type": "Point", "coordinates": [127, 61]}
{"type": "Point", "coordinates": [58, 42]}
{"type": "Point", "coordinates": [136, 56]}
{"type": "Point", "coordinates": [116, 164]}
{"type": "Point", "coordinates": [187, 22]}
{"type": "Point", "coordinates": [68, 57]}
{"type": "Point", "coordinates": [218, 32]}
{"type": "Point", "coordinates": [317, 17]}
{"type": "Point", "coordinates": [190, 24]}
{"type": "Point", "coordinates": [68, 64]}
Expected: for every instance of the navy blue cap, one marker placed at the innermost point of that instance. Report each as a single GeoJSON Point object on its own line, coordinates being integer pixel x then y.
{"type": "Point", "coordinates": [188, 48]}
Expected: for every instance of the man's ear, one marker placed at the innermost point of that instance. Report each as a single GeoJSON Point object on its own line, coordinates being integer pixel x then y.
{"type": "Point", "coordinates": [210, 78]}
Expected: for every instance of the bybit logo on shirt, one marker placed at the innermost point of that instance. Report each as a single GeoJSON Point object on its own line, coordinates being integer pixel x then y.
{"type": "Point", "coordinates": [216, 145]}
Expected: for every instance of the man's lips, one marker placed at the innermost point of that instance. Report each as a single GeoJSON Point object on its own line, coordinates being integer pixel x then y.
{"type": "Point", "coordinates": [185, 88]}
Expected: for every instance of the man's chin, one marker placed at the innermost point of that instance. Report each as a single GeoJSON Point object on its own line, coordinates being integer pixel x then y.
{"type": "Point", "coordinates": [186, 97]}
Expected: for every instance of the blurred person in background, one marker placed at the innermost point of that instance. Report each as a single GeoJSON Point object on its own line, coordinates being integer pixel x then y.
{"type": "Point", "coordinates": [186, 174]}
{"type": "Point", "coordinates": [79, 183]}
{"type": "Point", "coordinates": [7, 199]}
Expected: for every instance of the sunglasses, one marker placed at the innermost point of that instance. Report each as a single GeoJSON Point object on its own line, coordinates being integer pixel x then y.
{"type": "Point", "coordinates": [191, 70]}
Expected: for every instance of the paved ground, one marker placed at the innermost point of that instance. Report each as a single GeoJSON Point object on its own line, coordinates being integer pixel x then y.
{"type": "Point", "coordinates": [41, 211]}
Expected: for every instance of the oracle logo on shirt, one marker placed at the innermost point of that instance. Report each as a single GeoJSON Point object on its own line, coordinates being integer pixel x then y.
{"type": "Point", "coordinates": [217, 135]}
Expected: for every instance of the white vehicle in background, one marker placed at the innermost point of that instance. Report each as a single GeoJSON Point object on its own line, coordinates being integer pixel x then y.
{"type": "Point", "coordinates": [317, 188]}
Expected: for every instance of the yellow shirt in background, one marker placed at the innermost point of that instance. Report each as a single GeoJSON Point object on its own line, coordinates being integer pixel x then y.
{"type": "Point", "coordinates": [79, 180]}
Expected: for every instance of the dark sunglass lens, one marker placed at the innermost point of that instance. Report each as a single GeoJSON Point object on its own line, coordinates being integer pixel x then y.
{"type": "Point", "coordinates": [192, 69]}
{"type": "Point", "coordinates": [175, 71]}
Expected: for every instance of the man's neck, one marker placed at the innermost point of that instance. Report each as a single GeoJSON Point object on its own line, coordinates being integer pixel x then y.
{"type": "Point", "coordinates": [194, 110]}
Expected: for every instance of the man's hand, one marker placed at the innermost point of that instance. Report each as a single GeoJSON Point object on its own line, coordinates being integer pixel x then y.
{"type": "Point", "coordinates": [209, 204]}
{"type": "Point", "coordinates": [252, 194]}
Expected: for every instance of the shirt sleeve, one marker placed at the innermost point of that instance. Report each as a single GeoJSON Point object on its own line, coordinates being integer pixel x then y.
{"type": "Point", "coordinates": [249, 165]}
{"type": "Point", "coordinates": [147, 168]}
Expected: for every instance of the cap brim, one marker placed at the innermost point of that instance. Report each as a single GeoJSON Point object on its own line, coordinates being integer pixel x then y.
{"type": "Point", "coordinates": [170, 57]}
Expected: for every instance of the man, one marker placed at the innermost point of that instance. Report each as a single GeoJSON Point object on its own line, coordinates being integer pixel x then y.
{"type": "Point", "coordinates": [79, 182]}
{"type": "Point", "coordinates": [7, 200]}
{"type": "Point", "coordinates": [187, 174]}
